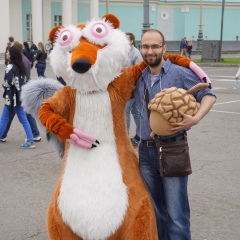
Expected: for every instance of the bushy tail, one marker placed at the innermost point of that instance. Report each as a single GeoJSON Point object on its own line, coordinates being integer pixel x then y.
{"type": "Point", "coordinates": [32, 95]}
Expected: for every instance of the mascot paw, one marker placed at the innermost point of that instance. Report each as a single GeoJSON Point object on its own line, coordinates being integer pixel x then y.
{"type": "Point", "coordinates": [81, 139]}
{"type": "Point", "coordinates": [200, 73]}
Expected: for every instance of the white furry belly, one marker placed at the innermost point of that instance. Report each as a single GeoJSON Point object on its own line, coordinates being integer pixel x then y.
{"type": "Point", "coordinates": [93, 198]}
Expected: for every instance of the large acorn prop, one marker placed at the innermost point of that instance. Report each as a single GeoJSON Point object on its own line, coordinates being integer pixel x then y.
{"type": "Point", "coordinates": [165, 107]}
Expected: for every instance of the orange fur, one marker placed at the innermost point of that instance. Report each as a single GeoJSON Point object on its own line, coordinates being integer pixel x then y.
{"type": "Point", "coordinates": [51, 109]}
{"type": "Point", "coordinates": [112, 19]}
{"type": "Point", "coordinates": [52, 34]}
{"type": "Point", "coordinates": [139, 222]}
{"type": "Point", "coordinates": [178, 59]}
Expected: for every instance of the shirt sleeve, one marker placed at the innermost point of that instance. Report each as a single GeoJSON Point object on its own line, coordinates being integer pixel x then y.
{"type": "Point", "coordinates": [191, 79]}
{"type": "Point", "coordinates": [8, 78]}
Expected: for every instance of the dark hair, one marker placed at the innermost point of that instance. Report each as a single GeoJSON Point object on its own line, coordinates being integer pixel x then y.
{"type": "Point", "coordinates": [131, 37]}
{"type": "Point", "coordinates": [155, 30]}
{"type": "Point", "coordinates": [16, 58]}
{"type": "Point", "coordinates": [18, 45]}
{"type": "Point", "coordinates": [11, 39]}
{"type": "Point", "coordinates": [26, 46]}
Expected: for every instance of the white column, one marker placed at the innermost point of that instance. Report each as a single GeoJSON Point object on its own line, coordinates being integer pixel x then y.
{"type": "Point", "coordinates": [5, 29]}
{"type": "Point", "coordinates": [94, 5]}
{"type": "Point", "coordinates": [75, 12]}
{"type": "Point", "coordinates": [69, 11]}
{"type": "Point", "coordinates": [37, 21]}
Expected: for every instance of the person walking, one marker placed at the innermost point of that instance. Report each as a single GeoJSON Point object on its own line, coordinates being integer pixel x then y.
{"type": "Point", "coordinates": [41, 57]}
{"type": "Point", "coordinates": [33, 47]}
{"type": "Point", "coordinates": [169, 194]}
{"type": "Point", "coordinates": [183, 47]}
{"type": "Point", "coordinates": [189, 48]}
{"type": "Point", "coordinates": [9, 44]}
{"type": "Point", "coordinates": [15, 77]}
{"type": "Point", "coordinates": [31, 120]}
{"type": "Point", "coordinates": [236, 78]}
{"type": "Point", "coordinates": [134, 57]}
{"type": "Point", "coordinates": [28, 53]}
{"type": "Point", "coordinates": [6, 60]}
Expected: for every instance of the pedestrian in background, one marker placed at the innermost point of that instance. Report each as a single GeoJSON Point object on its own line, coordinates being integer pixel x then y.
{"type": "Point", "coordinates": [11, 41]}
{"type": "Point", "coordinates": [236, 78]}
{"type": "Point", "coordinates": [189, 48]}
{"type": "Point", "coordinates": [31, 120]}
{"type": "Point", "coordinates": [9, 44]}
{"type": "Point", "coordinates": [6, 60]}
{"type": "Point", "coordinates": [134, 57]}
{"type": "Point", "coordinates": [183, 47]}
{"type": "Point", "coordinates": [40, 59]}
{"type": "Point", "coordinates": [28, 53]}
{"type": "Point", "coordinates": [33, 47]}
{"type": "Point", "coordinates": [15, 77]}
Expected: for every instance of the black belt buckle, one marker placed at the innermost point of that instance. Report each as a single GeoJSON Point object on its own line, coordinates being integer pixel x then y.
{"type": "Point", "coordinates": [150, 143]}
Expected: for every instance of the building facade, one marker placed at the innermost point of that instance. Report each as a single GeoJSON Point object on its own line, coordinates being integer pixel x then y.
{"type": "Point", "coordinates": [28, 20]}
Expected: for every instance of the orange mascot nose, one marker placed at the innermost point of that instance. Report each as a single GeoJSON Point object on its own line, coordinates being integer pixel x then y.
{"type": "Point", "coordinates": [84, 56]}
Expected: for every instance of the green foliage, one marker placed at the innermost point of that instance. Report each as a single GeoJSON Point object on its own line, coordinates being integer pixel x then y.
{"type": "Point", "coordinates": [231, 60]}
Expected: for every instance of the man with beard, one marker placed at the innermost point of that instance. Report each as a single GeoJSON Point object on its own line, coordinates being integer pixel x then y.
{"type": "Point", "coordinates": [169, 194]}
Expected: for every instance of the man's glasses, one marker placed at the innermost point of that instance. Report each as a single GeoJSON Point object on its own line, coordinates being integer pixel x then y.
{"type": "Point", "coordinates": [153, 47]}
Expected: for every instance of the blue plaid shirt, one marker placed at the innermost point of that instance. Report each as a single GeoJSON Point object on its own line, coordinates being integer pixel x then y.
{"type": "Point", "coordinates": [170, 75]}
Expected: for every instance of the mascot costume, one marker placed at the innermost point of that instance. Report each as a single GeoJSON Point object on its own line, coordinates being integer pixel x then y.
{"type": "Point", "coordinates": [99, 193]}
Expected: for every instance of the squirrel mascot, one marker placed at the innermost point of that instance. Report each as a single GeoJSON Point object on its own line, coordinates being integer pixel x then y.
{"type": "Point", "coordinates": [99, 193]}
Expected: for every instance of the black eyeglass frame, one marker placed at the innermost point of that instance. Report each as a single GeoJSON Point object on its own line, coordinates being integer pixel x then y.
{"type": "Point", "coordinates": [153, 47]}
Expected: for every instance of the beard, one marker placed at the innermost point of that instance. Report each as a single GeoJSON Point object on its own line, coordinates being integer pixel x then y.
{"type": "Point", "coordinates": [154, 62]}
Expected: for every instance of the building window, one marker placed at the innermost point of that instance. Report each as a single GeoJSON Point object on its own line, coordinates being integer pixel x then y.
{"type": "Point", "coordinates": [29, 27]}
{"type": "Point", "coordinates": [57, 20]}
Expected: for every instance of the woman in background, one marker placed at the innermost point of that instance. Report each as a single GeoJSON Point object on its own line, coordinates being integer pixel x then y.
{"type": "Point", "coordinates": [28, 53]}
{"type": "Point", "coordinates": [15, 77]}
{"type": "Point", "coordinates": [41, 60]}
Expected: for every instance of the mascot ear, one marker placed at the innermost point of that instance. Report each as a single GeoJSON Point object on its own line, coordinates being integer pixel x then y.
{"type": "Point", "coordinates": [187, 63]}
{"type": "Point", "coordinates": [81, 25]}
{"type": "Point", "coordinates": [112, 19]}
{"type": "Point", "coordinates": [52, 34]}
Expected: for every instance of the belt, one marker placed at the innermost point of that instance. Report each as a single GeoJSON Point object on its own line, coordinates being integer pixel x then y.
{"type": "Point", "coordinates": [179, 137]}
{"type": "Point", "coordinates": [149, 143]}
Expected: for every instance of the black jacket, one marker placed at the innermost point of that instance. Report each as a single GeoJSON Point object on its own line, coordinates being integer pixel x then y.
{"type": "Point", "coordinates": [41, 57]}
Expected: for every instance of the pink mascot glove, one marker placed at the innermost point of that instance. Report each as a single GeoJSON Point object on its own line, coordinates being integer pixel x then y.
{"type": "Point", "coordinates": [81, 139]}
{"type": "Point", "coordinates": [200, 73]}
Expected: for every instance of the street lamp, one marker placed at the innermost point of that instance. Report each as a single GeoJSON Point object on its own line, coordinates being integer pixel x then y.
{"type": "Point", "coordinates": [146, 25]}
{"type": "Point", "coordinates": [107, 4]}
{"type": "Point", "coordinates": [220, 45]}
{"type": "Point", "coordinates": [200, 33]}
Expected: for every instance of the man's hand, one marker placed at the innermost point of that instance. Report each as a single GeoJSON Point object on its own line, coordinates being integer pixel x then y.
{"type": "Point", "coordinates": [81, 139]}
{"type": "Point", "coordinates": [187, 122]}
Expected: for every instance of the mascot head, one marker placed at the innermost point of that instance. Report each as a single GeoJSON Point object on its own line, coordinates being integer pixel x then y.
{"type": "Point", "coordinates": [89, 55]}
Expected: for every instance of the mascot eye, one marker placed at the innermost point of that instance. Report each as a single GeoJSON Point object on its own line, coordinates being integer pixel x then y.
{"type": "Point", "coordinates": [65, 37]}
{"type": "Point", "coordinates": [99, 30]}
